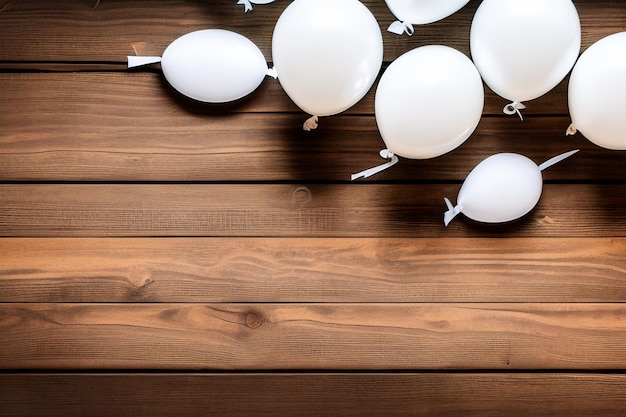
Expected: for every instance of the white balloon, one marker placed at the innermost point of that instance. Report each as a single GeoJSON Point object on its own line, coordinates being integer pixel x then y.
{"type": "Point", "coordinates": [327, 54]}
{"type": "Point", "coordinates": [419, 12]}
{"type": "Point", "coordinates": [597, 89]}
{"type": "Point", "coordinates": [428, 102]}
{"type": "Point", "coordinates": [502, 188]}
{"type": "Point", "coordinates": [212, 65]}
{"type": "Point", "coordinates": [523, 49]}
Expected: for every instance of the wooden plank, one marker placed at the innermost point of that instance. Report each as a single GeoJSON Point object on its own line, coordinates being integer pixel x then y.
{"type": "Point", "coordinates": [313, 336]}
{"type": "Point", "coordinates": [314, 210]}
{"type": "Point", "coordinates": [90, 88]}
{"type": "Point", "coordinates": [302, 395]}
{"type": "Point", "coordinates": [113, 129]}
{"type": "Point", "coordinates": [64, 127]}
{"type": "Point", "coordinates": [35, 30]}
{"type": "Point", "coordinates": [222, 270]}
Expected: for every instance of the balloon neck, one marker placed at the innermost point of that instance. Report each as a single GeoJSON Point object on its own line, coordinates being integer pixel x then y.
{"type": "Point", "coordinates": [386, 154]}
{"type": "Point", "coordinates": [514, 108]}
{"type": "Point", "coordinates": [452, 212]}
{"type": "Point", "coordinates": [247, 6]}
{"type": "Point", "coordinates": [311, 123]}
{"type": "Point", "coordinates": [400, 28]}
{"type": "Point", "coordinates": [139, 61]}
{"type": "Point", "coordinates": [271, 72]}
{"type": "Point", "coordinates": [571, 130]}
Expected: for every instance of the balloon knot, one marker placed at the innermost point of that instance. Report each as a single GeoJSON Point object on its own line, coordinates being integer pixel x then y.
{"type": "Point", "coordinates": [571, 130]}
{"type": "Point", "coordinates": [311, 123]}
{"type": "Point", "coordinates": [247, 6]}
{"type": "Point", "coordinates": [513, 108]}
{"type": "Point", "coordinates": [400, 28]}
{"type": "Point", "coordinates": [452, 212]}
{"type": "Point", "coordinates": [271, 72]}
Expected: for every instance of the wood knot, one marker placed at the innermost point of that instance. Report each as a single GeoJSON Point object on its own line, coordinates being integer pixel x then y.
{"type": "Point", "coordinates": [140, 277]}
{"type": "Point", "coordinates": [254, 320]}
{"type": "Point", "coordinates": [300, 197]}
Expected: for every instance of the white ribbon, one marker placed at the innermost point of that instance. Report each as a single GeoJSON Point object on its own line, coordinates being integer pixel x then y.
{"type": "Point", "coordinates": [386, 154]}
{"type": "Point", "coordinates": [399, 28]}
{"type": "Point", "coordinates": [557, 159]}
{"type": "Point", "coordinates": [451, 213]}
{"type": "Point", "coordinates": [247, 6]}
{"type": "Point", "coordinates": [513, 108]}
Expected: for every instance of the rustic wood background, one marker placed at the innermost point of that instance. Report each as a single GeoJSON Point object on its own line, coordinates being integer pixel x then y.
{"type": "Point", "coordinates": [161, 257]}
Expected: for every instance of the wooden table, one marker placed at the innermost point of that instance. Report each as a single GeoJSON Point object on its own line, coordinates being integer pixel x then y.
{"type": "Point", "coordinates": [160, 257]}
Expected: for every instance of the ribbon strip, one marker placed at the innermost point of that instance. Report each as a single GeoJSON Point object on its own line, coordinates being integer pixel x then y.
{"type": "Point", "coordinates": [452, 212]}
{"type": "Point", "coordinates": [557, 159]}
{"type": "Point", "coordinates": [386, 154]}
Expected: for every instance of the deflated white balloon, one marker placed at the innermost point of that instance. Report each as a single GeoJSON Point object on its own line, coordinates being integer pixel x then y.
{"type": "Point", "coordinates": [523, 49]}
{"type": "Point", "coordinates": [428, 102]}
{"type": "Point", "coordinates": [327, 54]}
{"type": "Point", "coordinates": [502, 188]}
{"type": "Point", "coordinates": [597, 91]}
{"type": "Point", "coordinates": [419, 12]}
{"type": "Point", "coordinates": [212, 65]}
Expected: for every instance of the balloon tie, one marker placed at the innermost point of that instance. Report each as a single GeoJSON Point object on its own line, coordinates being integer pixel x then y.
{"type": "Point", "coordinates": [271, 72]}
{"type": "Point", "coordinates": [400, 28]}
{"type": "Point", "coordinates": [311, 123]}
{"type": "Point", "coordinates": [557, 159]}
{"type": "Point", "coordinates": [138, 61]}
{"type": "Point", "coordinates": [247, 6]}
{"type": "Point", "coordinates": [571, 130]}
{"type": "Point", "coordinates": [513, 108]}
{"type": "Point", "coordinates": [452, 212]}
{"type": "Point", "coordinates": [386, 154]}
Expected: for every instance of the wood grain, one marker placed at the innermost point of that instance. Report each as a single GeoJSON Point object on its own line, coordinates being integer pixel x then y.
{"type": "Point", "coordinates": [313, 336]}
{"type": "Point", "coordinates": [226, 270]}
{"type": "Point", "coordinates": [66, 127]}
{"type": "Point", "coordinates": [416, 210]}
{"type": "Point", "coordinates": [146, 239]}
{"type": "Point", "coordinates": [72, 30]}
{"type": "Point", "coordinates": [307, 395]}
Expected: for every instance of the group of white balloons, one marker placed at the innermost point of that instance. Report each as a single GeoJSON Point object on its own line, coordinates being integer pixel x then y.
{"type": "Point", "coordinates": [327, 54]}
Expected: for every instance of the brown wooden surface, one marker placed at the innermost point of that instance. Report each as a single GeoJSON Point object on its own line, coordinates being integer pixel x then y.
{"type": "Point", "coordinates": [301, 395]}
{"type": "Point", "coordinates": [161, 257]}
{"type": "Point", "coordinates": [338, 270]}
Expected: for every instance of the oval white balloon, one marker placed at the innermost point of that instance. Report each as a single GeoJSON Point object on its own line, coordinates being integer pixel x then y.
{"type": "Point", "coordinates": [502, 188]}
{"type": "Point", "coordinates": [214, 65]}
{"type": "Point", "coordinates": [597, 89]}
{"type": "Point", "coordinates": [327, 54]}
{"type": "Point", "coordinates": [428, 102]}
{"type": "Point", "coordinates": [523, 49]}
{"type": "Point", "coordinates": [419, 12]}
